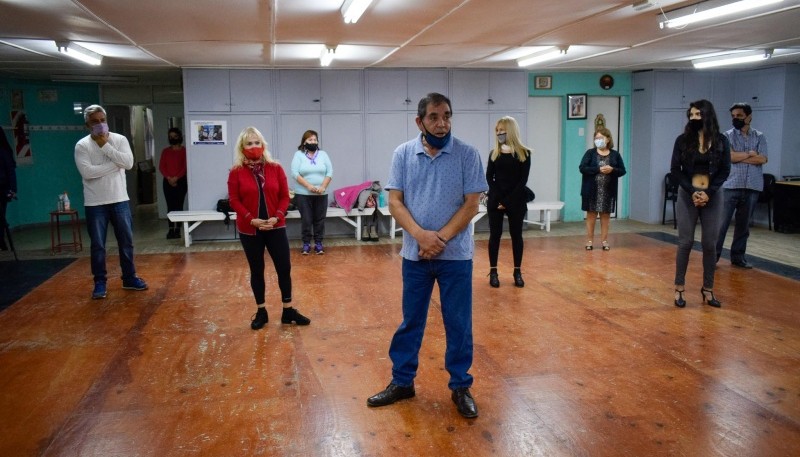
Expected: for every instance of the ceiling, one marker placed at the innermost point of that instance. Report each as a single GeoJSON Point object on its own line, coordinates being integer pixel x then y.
{"type": "Point", "coordinates": [151, 40]}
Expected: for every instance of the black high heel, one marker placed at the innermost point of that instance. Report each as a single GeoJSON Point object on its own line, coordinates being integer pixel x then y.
{"type": "Point", "coordinates": [518, 278]}
{"type": "Point", "coordinates": [494, 281]}
{"type": "Point", "coordinates": [710, 302]}
{"type": "Point", "coordinates": [680, 302]}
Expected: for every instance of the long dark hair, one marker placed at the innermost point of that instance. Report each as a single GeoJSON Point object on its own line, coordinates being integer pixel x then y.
{"type": "Point", "coordinates": [710, 127]}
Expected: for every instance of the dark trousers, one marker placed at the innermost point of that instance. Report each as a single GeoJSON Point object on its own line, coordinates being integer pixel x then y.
{"type": "Point", "coordinates": [710, 217]}
{"type": "Point", "coordinates": [743, 202]}
{"type": "Point", "coordinates": [515, 218]}
{"type": "Point", "coordinates": [277, 245]}
{"type": "Point", "coordinates": [175, 197]}
{"type": "Point", "coordinates": [313, 210]}
{"type": "Point", "coordinates": [3, 222]}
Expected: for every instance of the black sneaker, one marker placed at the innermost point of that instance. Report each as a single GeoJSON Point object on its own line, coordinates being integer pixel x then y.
{"type": "Point", "coordinates": [260, 318]}
{"type": "Point", "coordinates": [291, 316]}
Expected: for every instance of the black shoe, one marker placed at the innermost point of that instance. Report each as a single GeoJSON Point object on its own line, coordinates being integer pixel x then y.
{"type": "Point", "coordinates": [710, 301]}
{"type": "Point", "coordinates": [290, 315]}
{"type": "Point", "coordinates": [465, 404]}
{"type": "Point", "coordinates": [679, 301]}
{"type": "Point", "coordinates": [741, 264]}
{"type": "Point", "coordinates": [259, 319]}
{"type": "Point", "coordinates": [494, 281]}
{"type": "Point", "coordinates": [391, 394]}
{"type": "Point", "coordinates": [518, 278]}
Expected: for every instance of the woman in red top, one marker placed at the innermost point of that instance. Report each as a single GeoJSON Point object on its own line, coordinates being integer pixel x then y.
{"type": "Point", "coordinates": [259, 194]}
{"type": "Point", "coordinates": [172, 166]}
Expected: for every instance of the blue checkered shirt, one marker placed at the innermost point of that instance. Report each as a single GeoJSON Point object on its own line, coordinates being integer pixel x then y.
{"type": "Point", "coordinates": [434, 189]}
{"type": "Point", "coordinates": [745, 175]}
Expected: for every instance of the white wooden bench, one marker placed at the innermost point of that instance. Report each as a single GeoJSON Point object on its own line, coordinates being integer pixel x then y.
{"type": "Point", "coordinates": [544, 209]}
{"type": "Point", "coordinates": [192, 219]}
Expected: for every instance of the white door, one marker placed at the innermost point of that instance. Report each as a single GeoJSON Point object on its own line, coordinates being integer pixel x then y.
{"type": "Point", "coordinates": [544, 137]}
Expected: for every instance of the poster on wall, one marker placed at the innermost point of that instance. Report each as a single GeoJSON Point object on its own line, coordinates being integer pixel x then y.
{"type": "Point", "coordinates": [209, 132]}
{"type": "Point", "coordinates": [19, 126]}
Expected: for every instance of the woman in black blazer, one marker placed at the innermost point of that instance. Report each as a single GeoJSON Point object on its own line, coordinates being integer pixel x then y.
{"type": "Point", "coordinates": [601, 168]}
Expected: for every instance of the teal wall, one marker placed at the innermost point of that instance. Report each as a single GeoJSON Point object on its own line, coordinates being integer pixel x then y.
{"type": "Point", "coordinates": [573, 146]}
{"type": "Point", "coordinates": [52, 138]}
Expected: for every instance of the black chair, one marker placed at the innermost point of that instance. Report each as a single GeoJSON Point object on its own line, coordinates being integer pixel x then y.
{"type": "Point", "coordinates": [670, 194]}
{"type": "Point", "coordinates": [766, 195]}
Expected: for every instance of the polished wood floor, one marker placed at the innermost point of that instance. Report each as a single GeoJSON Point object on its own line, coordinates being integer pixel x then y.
{"type": "Point", "coordinates": [590, 358]}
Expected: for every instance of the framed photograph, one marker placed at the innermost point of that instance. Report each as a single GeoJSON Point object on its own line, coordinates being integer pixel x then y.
{"type": "Point", "coordinates": [576, 106]}
{"type": "Point", "coordinates": [543, 82]}
{"type": "Point", "coordinates": [209, 132]}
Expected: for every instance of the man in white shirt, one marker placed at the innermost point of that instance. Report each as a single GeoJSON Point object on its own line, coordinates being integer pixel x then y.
{"type": "Point", "coordinates": [102, 158]}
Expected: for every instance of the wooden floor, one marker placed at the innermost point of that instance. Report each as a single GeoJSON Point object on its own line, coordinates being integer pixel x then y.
{"type": "Point", "coordinates": [589, 359]}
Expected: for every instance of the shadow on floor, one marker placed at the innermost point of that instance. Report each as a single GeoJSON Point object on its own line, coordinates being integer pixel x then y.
{"type": "Point", "coordinates": [763, 264]}
{"type": "Point", "coordinates": [17, 278]}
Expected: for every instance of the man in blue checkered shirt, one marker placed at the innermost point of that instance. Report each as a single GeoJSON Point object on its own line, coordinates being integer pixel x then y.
{"type": "Point", "coordinates": [744, 184]}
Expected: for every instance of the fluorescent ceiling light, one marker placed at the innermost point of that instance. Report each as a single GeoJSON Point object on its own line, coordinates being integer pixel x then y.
{"type": "Point", "coordinates": [642, 5]}
{"type": "Point", "coordinates": [353, 9]}
{"type": "Point", "coordinates": [708, 10]}
{"type": "Point", "coordinates": [104, 79]}
{"type": "Point", "coordinates": [327, 56]}
{"type": "Point", "coordinates": [74, 51]}
{"type": "Point", "coordinates": [732, 59]}
{"type": "Point", "coordinates": [548, 54]}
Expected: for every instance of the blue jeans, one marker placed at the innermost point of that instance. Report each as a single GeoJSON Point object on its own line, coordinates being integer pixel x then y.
{"type": "Point", "coordinates": [313, 210]}
{"type": "Point", "coordinates": [455, 293]}
{"type": "Point", "coordinates": [743, 201]}
{"type": "Point", "coordinates": [97, 220]}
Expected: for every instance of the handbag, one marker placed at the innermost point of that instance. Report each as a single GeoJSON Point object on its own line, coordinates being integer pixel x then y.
{"type": "Point", "coordinates": [224, 206]}
{"type": "Point", "coordinates": [529, 195]}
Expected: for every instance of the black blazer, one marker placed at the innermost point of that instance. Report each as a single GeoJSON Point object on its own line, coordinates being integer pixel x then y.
{"type": "Point", "coordinates": [590, 167]}
{"type": "Point", "coordinates": [682, 167]}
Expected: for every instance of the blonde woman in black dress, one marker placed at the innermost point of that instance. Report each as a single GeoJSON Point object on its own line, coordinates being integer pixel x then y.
{"type": "Point", "coordinates": [601, 168]}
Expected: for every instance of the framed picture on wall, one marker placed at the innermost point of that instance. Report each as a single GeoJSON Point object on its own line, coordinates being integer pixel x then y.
{"type": "Point", "coordinates": [543, 82]}
{"type": "Point", "coordinates": [576, 106]}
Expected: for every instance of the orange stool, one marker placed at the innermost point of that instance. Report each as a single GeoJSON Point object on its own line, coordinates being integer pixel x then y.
{"type": "Point", "coordinates": [56, 245]}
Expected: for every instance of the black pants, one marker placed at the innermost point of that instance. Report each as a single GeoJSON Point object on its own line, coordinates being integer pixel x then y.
{"type": "Point", "coordinates": [175, 197]}
{"type": "Point", "coordinates": [313, 210]}
{"type": "Point", "coordinates": [3, 222]}
{"type": "Point", "coordinates": [515, 218]}
{"type": "Point", "coordinates": [277, 245]}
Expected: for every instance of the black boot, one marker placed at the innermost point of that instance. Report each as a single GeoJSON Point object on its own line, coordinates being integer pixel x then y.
{"type": "Point", "coordinates": [260, 319]}
{"type": "Point", "coordinates": [494, 281]}
{"type": "Point", "coordinates": [518, 278]}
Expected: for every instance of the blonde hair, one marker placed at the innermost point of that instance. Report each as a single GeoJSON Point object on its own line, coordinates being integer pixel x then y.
{"type": "Point", "coordinates": [606, 133]}
{"type": "Point", "coordinates": [238, 161]}
{"type": "Point", "coordinates": [512, 139]}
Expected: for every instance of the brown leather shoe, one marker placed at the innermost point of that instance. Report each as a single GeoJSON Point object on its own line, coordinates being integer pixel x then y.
{"type": "Point", "coordinates": [465, 404]}
{"type": "Point", "coordinates": [391, 394]}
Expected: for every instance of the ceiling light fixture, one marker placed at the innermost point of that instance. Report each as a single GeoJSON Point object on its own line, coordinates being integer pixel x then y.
{"type": "Point", "coordinates": [732, 59]}
{"type": "Point", "coordinates": [711, 9]}
{"type": "Point", "coordinates": [74, 51]}
{"type": "Point", "coordinates": [542, 56]}
{"type": "Point", "coordinates": [353, 9]}
{"type": "Point", "coordinates": [642, 5]}
{"type": "Point", "coordinates": [327, 56]}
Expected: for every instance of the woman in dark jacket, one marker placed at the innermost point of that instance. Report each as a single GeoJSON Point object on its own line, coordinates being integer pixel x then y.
{"type": "Point", "coordinates": [701, 162]}
{"type": "Point", "coordinates": [601, 168]}
{"type": "Point", "coordinates": [507, 175]}
{"type": "Point", "coordinates": [8, 184]}
{"type": "Point", "coordinates": [259, 194]}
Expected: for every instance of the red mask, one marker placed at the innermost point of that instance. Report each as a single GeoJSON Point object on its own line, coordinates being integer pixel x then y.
{"type": "Point", "coordinates": [254, 153]}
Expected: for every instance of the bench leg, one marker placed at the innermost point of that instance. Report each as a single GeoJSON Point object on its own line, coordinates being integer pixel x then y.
{"type": "Point", "coordinates": [187, 236]}
{"type": "Point", "coordinates": [547, 219]}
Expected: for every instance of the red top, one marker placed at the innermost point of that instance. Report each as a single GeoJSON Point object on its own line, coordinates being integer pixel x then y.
{"type": "Point", "coordinates": [173, 162]}
{"type": "Point", "coordinates": [243, 195]}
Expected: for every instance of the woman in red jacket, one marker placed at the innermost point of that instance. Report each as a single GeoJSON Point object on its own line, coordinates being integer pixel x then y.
{"type": "Point", "coordinates": [259, 194]}
{"type": "Point", "coordinates": [173, 167]}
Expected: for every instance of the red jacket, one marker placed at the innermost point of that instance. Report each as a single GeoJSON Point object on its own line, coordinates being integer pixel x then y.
{"type": "Point", "coordinates": [243, 194]}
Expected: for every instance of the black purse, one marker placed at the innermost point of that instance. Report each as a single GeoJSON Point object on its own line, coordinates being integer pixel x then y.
{"type": "Point", "coordinates": [529, 195]}
{"type": "Point", "coordinates": [224, 206]}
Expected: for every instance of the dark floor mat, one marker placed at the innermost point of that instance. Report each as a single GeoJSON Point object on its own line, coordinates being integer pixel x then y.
{"type": "Point", "coordinates": [17, 278]}
{"type": "Point", "coordinates": [757, 262]}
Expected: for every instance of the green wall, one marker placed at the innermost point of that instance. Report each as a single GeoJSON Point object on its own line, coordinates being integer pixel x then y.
{"type": "Point", "coordinates": [573, 146]}
{"type": "Point", "coordinates": [54, 129]}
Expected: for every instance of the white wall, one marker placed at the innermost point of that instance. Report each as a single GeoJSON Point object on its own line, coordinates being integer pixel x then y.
{"type": "Point", "coordinates": [544, 137]}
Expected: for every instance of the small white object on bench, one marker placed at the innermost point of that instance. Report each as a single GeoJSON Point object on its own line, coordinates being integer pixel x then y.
{"type": "Point", "coordinates": [544, 209]}
{"type": "Point", "coordinates": [192, 219]}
